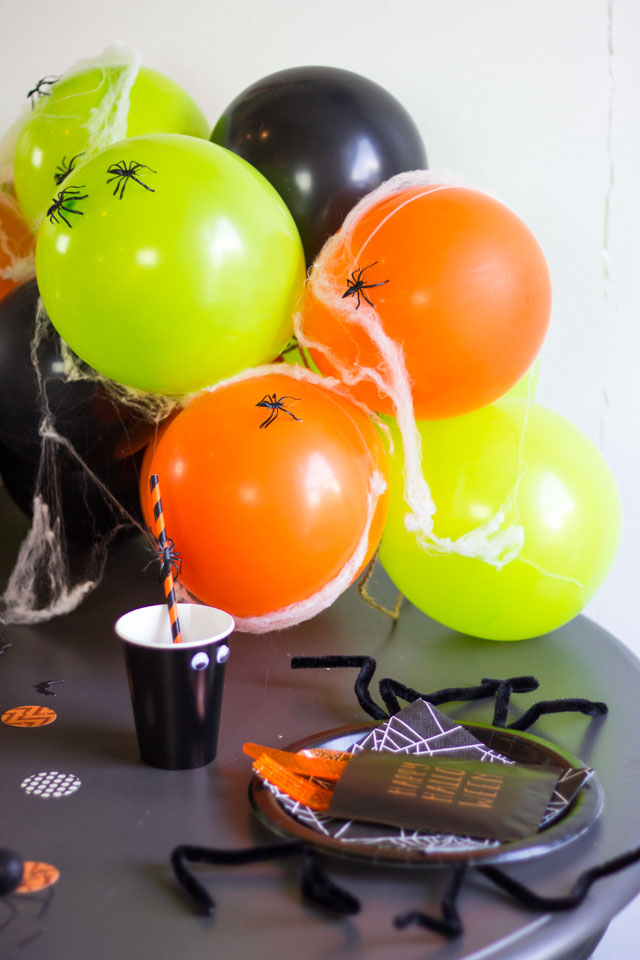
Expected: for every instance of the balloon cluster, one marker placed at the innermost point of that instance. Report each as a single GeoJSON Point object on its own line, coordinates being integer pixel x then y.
{"type": "Point", "coordinates": [171, 266]}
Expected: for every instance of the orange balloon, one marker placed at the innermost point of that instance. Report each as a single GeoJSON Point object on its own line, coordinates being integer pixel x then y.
{"type": "Point", "coordinates": [17, 244]}
{"type": "Point", "coordinates": [456, 279]}
{"type": "Point", "coordinates": [264, 485]}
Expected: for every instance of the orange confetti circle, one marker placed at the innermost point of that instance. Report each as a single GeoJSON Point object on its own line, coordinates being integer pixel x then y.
{"type": "Point", "coordinates": [28, 716]}
{"type": "Point", "coordinates": [37, 876]}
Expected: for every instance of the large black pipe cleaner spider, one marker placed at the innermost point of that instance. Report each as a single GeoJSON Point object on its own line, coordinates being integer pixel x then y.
{"type": "Point", "coordinates": [317, 887]}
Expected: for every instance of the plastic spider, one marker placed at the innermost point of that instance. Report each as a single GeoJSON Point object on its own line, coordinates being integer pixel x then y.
{"type": "Point", "coordinates": [64, 169]}
{"type": "Point", "coordinates": [65, 196]}
{"type": "Point", "coordinates": [274, 404]}
{"type": "Point", "coordinates": [37, 91]}
{"type": "Point", "coordinates": [43, 687]}
{"type": "Point", "coordinates": [11, 875]}
{"type": "Point", "coordinates": [167, 556]}
{"type": "Point", "coordinates": [356, 285]}
{"type": "Point", "coordinates": [123, 172]}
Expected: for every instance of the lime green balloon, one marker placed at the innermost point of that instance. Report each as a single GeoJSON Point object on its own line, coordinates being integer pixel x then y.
{"type": "Point", "coordinates": [169, 264]}
{"type": "Point", "coordinates": [65, 126]}
{"type": "Point", "coordinates": [553, 482]}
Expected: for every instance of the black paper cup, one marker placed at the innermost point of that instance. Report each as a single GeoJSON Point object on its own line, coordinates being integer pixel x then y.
{"type": "Point", "coordinates": [176, 688]}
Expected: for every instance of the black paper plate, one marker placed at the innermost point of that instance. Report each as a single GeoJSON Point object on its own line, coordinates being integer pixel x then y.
{"type": "Point", "coordinates": [386, 845]}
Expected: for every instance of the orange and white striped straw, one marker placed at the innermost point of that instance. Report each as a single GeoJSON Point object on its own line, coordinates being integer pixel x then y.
{"type": "Point", "coordinates": [167, 573]}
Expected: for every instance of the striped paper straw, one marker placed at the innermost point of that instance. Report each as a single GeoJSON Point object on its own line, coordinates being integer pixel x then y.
{"type": "Point", "coordinates": [167, 573]}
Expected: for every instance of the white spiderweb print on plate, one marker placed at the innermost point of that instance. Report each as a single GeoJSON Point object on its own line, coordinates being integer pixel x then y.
{"type": "Point", "coordinates": [422, 730]}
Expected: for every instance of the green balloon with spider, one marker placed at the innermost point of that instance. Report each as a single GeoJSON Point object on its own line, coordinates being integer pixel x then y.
{"type": "Point", "coordinates": [183, 256]}
{"type": "Point", "coordinates": [76, 115]}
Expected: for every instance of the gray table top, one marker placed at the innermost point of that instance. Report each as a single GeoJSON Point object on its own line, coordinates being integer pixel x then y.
{"type": "Point", "coordinates": [112, 838]}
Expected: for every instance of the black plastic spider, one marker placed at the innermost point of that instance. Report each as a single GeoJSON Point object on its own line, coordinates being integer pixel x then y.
{"type": "Point", "coordinates": [356, 285]}
{"type": "Point", "coordinates": [37, 91]}
{"type": "Point", "coordinates": [43, 687]}
{"type": "Point", "coordinates": [11, 875]}
{"type": "Point", "coordinates": [123, 172]}
{"type": "Point", "coordinates": [167, 556]}
{"type": "Point", "coordinates": [64, 169]}
{"type": "Point", "coordinates": [65, 196]}
{"type": "Point", "coordinates": [274, 404]}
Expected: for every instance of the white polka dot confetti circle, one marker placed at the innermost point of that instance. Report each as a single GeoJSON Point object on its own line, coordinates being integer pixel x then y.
{"type": "Point", "coordinates": [52, 784]}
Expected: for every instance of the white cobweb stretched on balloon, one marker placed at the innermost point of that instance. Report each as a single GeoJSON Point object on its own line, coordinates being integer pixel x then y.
{"type": "Point", "coordinates": [495, 541]}
{"type": "Point", "coordinates": [42, 584]}
{"type": "Point", "coordinates": [118, 68]}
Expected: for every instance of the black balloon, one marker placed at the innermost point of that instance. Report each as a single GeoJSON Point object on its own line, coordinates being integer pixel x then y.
{"type": "Point", "coordinates": [324, 138]}
{"type": "Point", "coordinates": [98, 429]}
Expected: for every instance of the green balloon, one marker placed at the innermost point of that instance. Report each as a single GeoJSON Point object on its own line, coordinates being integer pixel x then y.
{"type": "Point", "coordinates": [168, 263]}
{"type": "Point", "coordinates": [73, 116]}
{"type": "Point", "coordinates": [551, 480]}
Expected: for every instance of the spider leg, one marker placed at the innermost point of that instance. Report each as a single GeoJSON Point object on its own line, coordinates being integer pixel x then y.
{"type": "Point", "coordinates": [371, 304]}
{"type": "Point", "coordinates": [140, 182]}
{"type": "Point", "coordinates": [135, 166]}
{"type": "Point", "coordinates": [450, 925]}
{"type": "Point", "coordinates": [589, 708]}
{"type": "Point", "coordinates": [576, 894]}
{"type": "Point", "coordinates": [291, 414]}
{"type": "Point", "coordinates": [368, 267]}
{"type": "Point", "coordinates": [367, 667]}
{"type": "Point", "coordinates": [45, 904]}
{"type": "Point", "coordinates": [62, 216]}
{"type": "Point", "coordinates": [45, 900]}
{"type": "Point", "coordinates": [183, 856]}
{"type": "Point", "coordinates": [272, 416]}
{"type": "Point", "coordinates": [13, 913]}
{"type": "Point", "coordinates": [70, 210]}
{"type": "Point", "coordinates": [318, 887]}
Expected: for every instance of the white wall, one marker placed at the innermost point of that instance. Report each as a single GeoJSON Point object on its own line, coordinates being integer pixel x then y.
{"type": "Point", "coordinates": [534, 99]}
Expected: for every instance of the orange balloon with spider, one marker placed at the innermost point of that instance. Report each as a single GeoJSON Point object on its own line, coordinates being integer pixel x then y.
{"type": "Point", "coordinates": [272, 486]}
{"type": "Point", "coordinates": [446, 274]}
